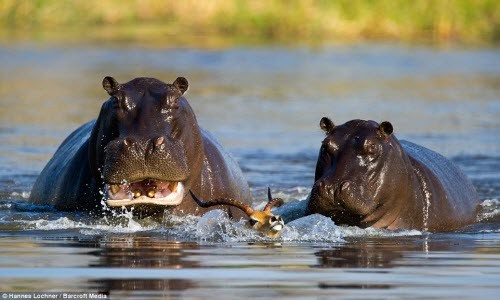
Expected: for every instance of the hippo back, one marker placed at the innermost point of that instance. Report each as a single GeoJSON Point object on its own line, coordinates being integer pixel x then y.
{"type": "Point", "coordinates": [461, 194]}
{"type": "Point", "coordinates": [232, 166]}
{"type": "Point", "coordinates": [66, 178]}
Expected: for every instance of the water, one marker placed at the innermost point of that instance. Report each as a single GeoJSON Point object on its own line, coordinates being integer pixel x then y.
{"type": "Point", "coordinates": [264, 104]}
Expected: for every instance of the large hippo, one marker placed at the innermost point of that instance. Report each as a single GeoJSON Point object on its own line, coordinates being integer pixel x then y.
{"type": "Point", "coordinates": [144, 150]}
{"type": "Point", "coordinates": [367, 178]}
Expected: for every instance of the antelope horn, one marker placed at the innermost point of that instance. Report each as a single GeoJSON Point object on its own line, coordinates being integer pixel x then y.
{"type": "Point", "coordinates": [223, 201]}
{"type": "Point", "coordinates": [272, 202]}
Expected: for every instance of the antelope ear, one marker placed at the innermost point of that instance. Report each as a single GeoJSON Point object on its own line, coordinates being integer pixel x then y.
{"type": "Point", "coordinates": [386, 128]}
{"type": "Point", "coordinates": [181, 84]}
{"type": "Point", "coordinates": [326, 125]}
{"type": "Point", "coordinates": [110, 84]}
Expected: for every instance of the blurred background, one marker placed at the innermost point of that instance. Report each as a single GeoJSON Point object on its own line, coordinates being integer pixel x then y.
{"type": "Point", "coordinates": [154, 21]}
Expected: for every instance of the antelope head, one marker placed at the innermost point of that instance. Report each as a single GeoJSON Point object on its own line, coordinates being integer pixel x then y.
{"type": "Point", "coordinates": [262, 220]}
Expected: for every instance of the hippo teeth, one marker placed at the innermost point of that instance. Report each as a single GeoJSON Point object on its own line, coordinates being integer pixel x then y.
{"type": "Point", "coordinates": [147, 191]}
{"type": "Point", "coordinates": [114, 188]}
{"type": "Point", "coordinates": [173, 186]}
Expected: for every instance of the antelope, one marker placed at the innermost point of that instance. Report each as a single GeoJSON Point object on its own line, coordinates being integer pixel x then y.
{"type": "Point", "coordinates": [263, 221]}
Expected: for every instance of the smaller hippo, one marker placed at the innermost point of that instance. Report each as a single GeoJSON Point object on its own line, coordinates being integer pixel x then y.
{"type": "Point", "coordinates": [365, 177]}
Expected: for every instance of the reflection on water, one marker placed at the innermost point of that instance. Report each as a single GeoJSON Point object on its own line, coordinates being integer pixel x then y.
{"type": "Point", "coordinates": [146, 264]}
{"type": "Point", "coordinates": [143, 252]}
{"type": "Point", "coordinates": [264, 103]}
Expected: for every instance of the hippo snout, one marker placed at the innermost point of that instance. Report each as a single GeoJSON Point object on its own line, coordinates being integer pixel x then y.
{"type": "Point", "coordinates": [355, 198]}
{"type": "Point", "coordinates": [140, 146]}
{"type": "Point", "coordinates": [335, 193]}
{"type": "Point", "coordinates": [321, 198]}
{"type": "Point", "coordinates": [324, 189]}
{"type": "Point", "coordinates": [345, 201]}
{"type": "Point", "coordinates": [136, 158]}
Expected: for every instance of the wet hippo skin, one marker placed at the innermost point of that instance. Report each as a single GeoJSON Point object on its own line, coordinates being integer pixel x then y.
{"type": "Point", "coordinates": [145, 150]}
{"type": "Point", "coordinates": [367, 178]}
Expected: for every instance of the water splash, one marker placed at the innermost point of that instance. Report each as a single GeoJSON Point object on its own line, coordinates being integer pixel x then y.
{"type": "Point", "coordinates": [313, 228]}
{"type": "Point", "coordinates": [490, 210]}
{"type": "Point", "coordinates": [427, 199]}
{"type": "Point", "coordinates": [491, 203]}
{"type": "Point", "coordinates": [24, 195]}
{"type": "Point", "coordinates": [216, 226]}
{"type": "Point", "coordinates": [122, 223]}
{"type": "Point", "coordinates": [206, 165]}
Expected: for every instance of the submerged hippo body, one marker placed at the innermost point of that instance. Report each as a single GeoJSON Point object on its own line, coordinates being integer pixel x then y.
{"type": "Point", "coordinates": [367, 178]}
{"type": "Point", "coordinates": [144, 150]}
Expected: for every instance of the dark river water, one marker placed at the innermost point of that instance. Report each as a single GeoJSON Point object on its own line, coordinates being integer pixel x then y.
{"type": "Point", "coordinates": [264, 104]}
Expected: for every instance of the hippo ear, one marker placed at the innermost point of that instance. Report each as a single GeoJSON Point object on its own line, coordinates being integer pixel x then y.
{"type": "Point", "coordinates": [386, 128]}
{"type": "Point", "coordinates": [110, 84]}
{"type": "Point", "coordinates": [326, 125]}
{"type": "Point", "coordinates": [181, 84]}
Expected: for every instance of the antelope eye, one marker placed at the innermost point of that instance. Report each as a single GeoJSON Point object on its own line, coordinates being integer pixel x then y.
{"type": "Point", "coordinates": [252, 222]}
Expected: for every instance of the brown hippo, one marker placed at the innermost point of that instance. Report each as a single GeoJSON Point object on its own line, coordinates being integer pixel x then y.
{"type": "Point", "coordinates": [144, 150]}
{"type": "Point", "coordinates": [367, 178]}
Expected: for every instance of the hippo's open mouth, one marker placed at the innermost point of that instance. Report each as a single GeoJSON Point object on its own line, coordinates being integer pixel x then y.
{"type": "Point", "coordinates": [148, 191]}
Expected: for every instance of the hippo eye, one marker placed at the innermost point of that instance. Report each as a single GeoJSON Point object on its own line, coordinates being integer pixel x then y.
{"type": "Point", "coordinates": [369, 147]}
{"type": "Point", "coordinates": [171, 101]}
{"type": "Point", "coordinates": [328, 146]}
{"type": "Point", "coordinates": [115, 102]}
{"type": "Point", "coordinates": [119, 101]}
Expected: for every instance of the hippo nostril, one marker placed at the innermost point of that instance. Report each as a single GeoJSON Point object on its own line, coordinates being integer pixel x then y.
{"type": "Point", "coordinates": [128, 142]}
{"type": "Point", "coordinates": [321, 186]}
{"type": "Point", "coordinates": [157, 144]}
{"type": "Point", "coordinates": [345, 186]}
{"type": "Point", "coordinates": [330, 190]}
{"type": "Point", "coordinates": [159, 141]}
